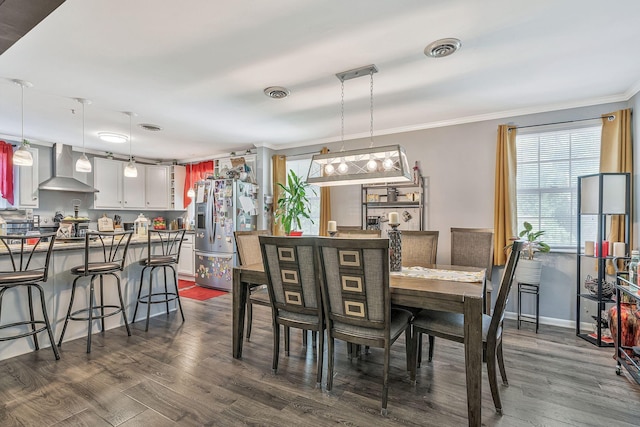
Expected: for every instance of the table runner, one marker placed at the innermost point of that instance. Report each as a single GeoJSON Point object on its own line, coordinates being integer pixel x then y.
{"type": "Point", "coordinates": [441, 274]}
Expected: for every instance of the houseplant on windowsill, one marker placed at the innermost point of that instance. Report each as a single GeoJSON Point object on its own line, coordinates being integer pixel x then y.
{"type": "Point", "coordinates": [293, 204]}
{"type": "Point", "coordinates": [530, 269]}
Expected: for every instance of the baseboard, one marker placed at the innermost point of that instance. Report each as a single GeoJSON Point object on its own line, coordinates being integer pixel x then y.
{"type": "Point", "coordinates": [552, 321]}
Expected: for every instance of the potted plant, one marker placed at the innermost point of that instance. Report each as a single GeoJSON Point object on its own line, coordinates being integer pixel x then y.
{"type": "Point", "coordinates": [530, 269]}
{"type": "Point", "coordinates": [293, 204]}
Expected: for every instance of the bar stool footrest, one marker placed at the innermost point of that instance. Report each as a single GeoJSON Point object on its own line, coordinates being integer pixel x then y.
{"type": "Point", "coordinates": [144, 299]}
{"type": "Point", "coordinates": [117, 310]}
{"type": "Point", "coordinates": [25, 334]}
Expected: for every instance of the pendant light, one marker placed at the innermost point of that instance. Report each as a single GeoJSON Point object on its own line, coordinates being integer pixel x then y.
{"type": "Point", "coordinates": [191, 193]}
{"type": "Point", "coordinates": [83, 164]}
{"type": "Point", "coordinates": [130, 171]}
{"type": "Point", "coordinates": [373, 165]}
{"type": "Point", "coordinates": [22, 156]}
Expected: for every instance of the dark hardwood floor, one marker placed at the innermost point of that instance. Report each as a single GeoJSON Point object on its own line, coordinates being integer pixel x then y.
{"type": "Point", "coordinates": [183, 373]}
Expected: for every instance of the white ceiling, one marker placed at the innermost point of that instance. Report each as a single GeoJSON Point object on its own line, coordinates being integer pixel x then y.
{"type": "Point", "coordinates": [198, 68]}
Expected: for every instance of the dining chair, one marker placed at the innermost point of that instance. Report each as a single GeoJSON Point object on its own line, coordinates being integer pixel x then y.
{"type": "Point", "coordinates": [357, 301]}
{"type": "Point", "coordinates": [419, 248]}
{"type": "Point", "coordinates": [450, 326]}
{"type": "Point", "coordinates": [348, 232]}
{"type": "Point", "coordinates": [473, 247]}
{"type": "Point", "coordinates": [248, 245]}
{"type": "Point", "coordinates": [294, 290]}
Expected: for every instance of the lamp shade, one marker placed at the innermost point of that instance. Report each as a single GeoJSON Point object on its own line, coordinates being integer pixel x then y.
{"type": "Point", "coordinates": [355, 167]}
{"type": "Point", "coordinates": [131, 171]}
{"type": "Point", "coordinates": [22, 157]}
{"type": "Point", "coordinates": [83, 164]}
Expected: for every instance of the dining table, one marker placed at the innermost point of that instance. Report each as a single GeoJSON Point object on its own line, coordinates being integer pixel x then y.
{"type": "Point", "coordinates": [455, 289]}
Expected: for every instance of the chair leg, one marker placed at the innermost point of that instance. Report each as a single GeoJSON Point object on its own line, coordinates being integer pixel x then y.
{"type": "Point", "coordinates": [146, 327]}
{"type": "Point", "coordinates": [122, 307]}
{"type": "Point", "coordinates": [33, 325]}
{"type": "Point", "coordinates": [102, 301]}
{"type": "Point", "coordinates": [414, 338]}
{"type": "Point", "coordinates": [419, 348]}
{"type": "Point", "coordinates": [249, 319]}
{"type": "Point", "coordinates": [287, 340]}
{"type": "Point", "coordinates": [47, 323]}
{"type": "Point", "coordinates": [166, 290]}
{"type": "Point", "coordinates": [89, 329]}
{"type": "Point", "coordinates": [409, 348]}
{"type": "Point", "coordinates": [276, 347]}
{"type": "Point", "coordinates": [493, 378]}
{"type": "Point", "coordinates": [503, 371]}
{"type": "Point", "coordinates": [135, 312]}
{"type": "Point", "coordinates": [487, 303]}
{"type": "Point", "coordinates": [432, 344]}
{"type": "Point", "coordinates": [320, 355]}
{"type": "Point", "coordinates": [175, 281]}
{"type": "Point", "coordinates": [314, 340]}
{"type": "Point", "coordinates": [66, 320]}
{"type": "Point", "coordinates": [385, 379]}
{"type": "Point", "coordinates": [304, 339]}
{"type": "Point", "coordinates": [330, 357]}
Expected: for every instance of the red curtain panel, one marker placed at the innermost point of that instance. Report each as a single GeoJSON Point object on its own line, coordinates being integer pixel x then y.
{"type": "Point", "coordinates": [6, 171]}
{"type": "Point", "coordinates": [195, 173]}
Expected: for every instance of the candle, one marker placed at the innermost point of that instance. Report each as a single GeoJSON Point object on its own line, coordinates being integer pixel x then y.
{"type": "Point", "coordinates": [332, 226]}
{"type": "Point", "coordinates": [394, 218]}
{"type": "Point", "coordinates": [605, 248]}
{"type": "Point", "coordinates": [619, 248]}
{"type": "Point", "coordinates": [588, 247]}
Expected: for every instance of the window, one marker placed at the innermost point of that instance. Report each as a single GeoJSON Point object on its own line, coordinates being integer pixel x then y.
{"type": "Point", "coordinates": [549, 163]}
{"type": "Point", "coordinates": [301, 168]}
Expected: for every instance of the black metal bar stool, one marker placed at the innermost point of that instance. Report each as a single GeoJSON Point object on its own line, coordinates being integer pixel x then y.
{"type": "Point", "coordinates": [106, 258]}
{"type": "Point", "coordinates": [27, 270]}
{"type": "Point", "coordinates": [167, 244]}
{"type": "Point", "coordinates": [532, 289]}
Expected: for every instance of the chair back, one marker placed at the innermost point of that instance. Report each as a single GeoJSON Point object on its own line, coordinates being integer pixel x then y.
{"type": "Point", "coordinates": [497, 316]}
{"type": "Point", "coordinates": [248, 245]}
{"type": "Point", "coordinates": [292, 278]}
{"type": "Point", "coordinates": [109, 247]}
{"type": "Point", "coordinates": [348, 232]}
{"type": "Point", "coordinates": [472, 247]}
{"type": "Point", "coordinates": [419, 248]}
{"type": "Point", "coordinates": [167, 244]}
{"type": "Point", "coordinates": [355, 282]}
{"type": "Point", "coordinates": [21, 254]}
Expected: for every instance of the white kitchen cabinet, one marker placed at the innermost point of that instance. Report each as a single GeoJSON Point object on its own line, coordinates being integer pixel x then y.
{"type": "Point", "coordinates": [133, 190]}
{"type": "Point", "coordinates": [26, 193]}
{"type": "Point", "coordinates": [178, 177]}
{"type": "Point", "coordinates": [107, 179]}
{"type": "Point", "coordinates": [157, 187]}
{"type": "Point", "coordinates": [186, 263]}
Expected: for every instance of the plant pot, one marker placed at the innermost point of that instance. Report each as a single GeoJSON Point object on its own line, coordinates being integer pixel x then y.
{"type": "Point", "coordinates": [295, 233]}
{"type": "Point", "coordinates": [529, 271]}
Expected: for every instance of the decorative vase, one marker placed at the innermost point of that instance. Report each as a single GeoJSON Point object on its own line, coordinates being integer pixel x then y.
{"type": "Point", "coordinates": [529, 271]}
{"type": "Point", "coordinates": [295, 233]}
{"type": "Point", "coordinates": [628, 322]}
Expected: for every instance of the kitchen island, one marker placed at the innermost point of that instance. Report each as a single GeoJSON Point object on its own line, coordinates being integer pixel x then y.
{"type": "Point", "coordinates": [57, 289]}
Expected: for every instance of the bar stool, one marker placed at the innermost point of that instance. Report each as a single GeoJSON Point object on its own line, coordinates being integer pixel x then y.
{"type": "Point", "coordinates": [27, 270]}
{"type": "Point", "coordinates": [106, 259]}
{"type": "Point", "coordinates": [532, 289]}
{"type": "Point", "coordinates": [167, 244]}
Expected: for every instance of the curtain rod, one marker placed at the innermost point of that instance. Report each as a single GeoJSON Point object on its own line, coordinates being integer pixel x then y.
{"type": "Point", "coordinates": [610, 117]}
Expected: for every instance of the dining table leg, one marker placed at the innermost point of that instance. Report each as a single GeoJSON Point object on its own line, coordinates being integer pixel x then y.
{"type": "Point", "coordinates": [473, 358]}
{"type": "Point", "coordinates": [239, 294]}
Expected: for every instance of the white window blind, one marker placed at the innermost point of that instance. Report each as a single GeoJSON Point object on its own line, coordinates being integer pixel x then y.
{"type": "Point", "coordinates": [301, 168]}
{"type": "Point", "coordinates": [549, 163]}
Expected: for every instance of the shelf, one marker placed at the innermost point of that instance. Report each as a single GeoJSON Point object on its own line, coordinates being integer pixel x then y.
{"type": "Point", "coordinates": [407, 204]}
{"type": "Point", "coordinates": [597, 258]}
{"type": "Point", "coordinates": [399, 185]}
{"type": "Point", "coordinates": [593, 297]}
{"type": "Point", "coordinates": [592, 340]}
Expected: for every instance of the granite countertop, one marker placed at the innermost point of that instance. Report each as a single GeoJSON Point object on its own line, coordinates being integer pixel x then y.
{"type": "Point", "coordinates": [75, 245]}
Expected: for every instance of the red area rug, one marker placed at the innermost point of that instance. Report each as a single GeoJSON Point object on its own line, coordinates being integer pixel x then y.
{"type": "Point", "coordinates": [191, 290]}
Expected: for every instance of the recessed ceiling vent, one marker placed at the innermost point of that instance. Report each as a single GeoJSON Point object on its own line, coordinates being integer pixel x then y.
{"type": "Point", "coordinates": [443, 47]}
{"type": "Point", "coordinates": [277, 92]}
{"type": "Point", "coordinates": [149, 127]}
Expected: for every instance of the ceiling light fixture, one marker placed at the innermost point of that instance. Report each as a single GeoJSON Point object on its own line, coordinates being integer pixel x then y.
{"type": "Point", "coordinates": [22, 156]}
{"type": "Point", "coordinates": [83, 164]}
{"type": "Point", "coordinates": [191, 193]}
{"type": "Point", "coordinates": [277, 92]}
{"type": "Point", "coordinates": [371, 165]}
{"type": "Point", "coordinates": [130, 171]}
{"type": "Point", "coordinates": [114, 138]}
{"type": "Point", "coordinates": [150, 127]}
{"type": "Point", "coordinates": [443, 47]}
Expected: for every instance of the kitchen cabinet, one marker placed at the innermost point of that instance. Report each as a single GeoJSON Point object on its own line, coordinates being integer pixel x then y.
{"type": "Point", "coordinates": [26, 193]}
{"type": "Point", "coordinates": [107, 179]}
{"type": "Point", "coordinates": [133, 190]}
{"type": "Point", "coordinates": [178, 177]}
{"type": "Point", "coordinates": [157, 187]}
{"type": "Point", "coordinates": [186, 263]}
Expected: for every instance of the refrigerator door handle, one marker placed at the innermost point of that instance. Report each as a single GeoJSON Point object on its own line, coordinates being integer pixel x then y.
{"type": "Point", "coordinates": [209, 218]}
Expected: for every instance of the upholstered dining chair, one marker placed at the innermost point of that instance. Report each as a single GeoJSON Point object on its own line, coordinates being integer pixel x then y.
{"type": "Point", "coordinates": [348, 232]}
{"type": "Point", "coordinates": [294, 290]}
{"type": "Point", "coordinates": [248, 245]}
{"type": "Point", "coordinates": [419, 248]}
{"type": "Point", "coordinates": [473, 247]}
{"type": "Point", "coordinates": [451, 326]}
{"type": "Point", "coordinates": [357, 300]}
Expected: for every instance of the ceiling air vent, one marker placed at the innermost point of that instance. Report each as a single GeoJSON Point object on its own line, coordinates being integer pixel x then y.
{"type": "Point", "coordinates": [443, 47]}
{"type": "Point", "coordinates": [276, 92]}
{"type": "Point", "coordinates": [149, 127]}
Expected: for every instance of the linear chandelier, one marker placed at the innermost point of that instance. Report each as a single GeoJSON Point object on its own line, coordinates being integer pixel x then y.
{"type": "Point", "coordinates": [372, 165]}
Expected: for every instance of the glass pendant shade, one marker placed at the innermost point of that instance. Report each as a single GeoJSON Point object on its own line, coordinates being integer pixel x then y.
{"type": "Point", "coordinates": [131, 171]}
{"type": "Point", "coordinates": [22, 157]}
{"type": "Point", "coordinates": [191, 193]}
{"type": "Point", "coordinates": [83, 164]}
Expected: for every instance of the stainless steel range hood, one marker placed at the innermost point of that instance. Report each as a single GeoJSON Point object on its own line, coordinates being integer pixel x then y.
{"type": "Point", "coordinates": [62, 179]}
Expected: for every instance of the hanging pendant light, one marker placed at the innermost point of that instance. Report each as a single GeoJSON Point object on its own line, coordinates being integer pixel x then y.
{"type": "Point", "coordinates": [22, 156]}
{"type": "Point", "coordinates": [83, 164]}
{"type": "Point", "coordinates": [373, 165]}
{"type": "Point", "coordinates": [130, 171]}
{"type": "Point", "coordinates": [191, 193]}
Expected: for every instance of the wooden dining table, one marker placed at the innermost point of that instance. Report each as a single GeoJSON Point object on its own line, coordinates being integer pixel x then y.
{"type": "Point", "coordinates": [419, 292]}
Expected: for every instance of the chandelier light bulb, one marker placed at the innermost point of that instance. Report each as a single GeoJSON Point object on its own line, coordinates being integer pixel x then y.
{"type": "Point", "coordinates": [372, 165]}
{"type": "Point", "coordinates": [342, 167]}
{"type": "Point", "coordinates": [387, 164]}
{"type": "Point", "coordinates": [329, 169]}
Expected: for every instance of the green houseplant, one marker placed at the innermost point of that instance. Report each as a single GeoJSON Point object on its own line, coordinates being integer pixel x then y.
{"type": "Point", "coordinates": [293, 203]}
{"type": "Point", "coordinates": [529, 269]}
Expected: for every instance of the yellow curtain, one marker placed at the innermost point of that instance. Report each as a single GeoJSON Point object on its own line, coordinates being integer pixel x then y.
{"type": "Point", "coordinates": [616, 155]}
{"type": "Point", "coordinates": [504, 211]}
{"type": "Point", "coordinates": [279, 173]}
{"type": "Point", "coordinates": [325, 204]}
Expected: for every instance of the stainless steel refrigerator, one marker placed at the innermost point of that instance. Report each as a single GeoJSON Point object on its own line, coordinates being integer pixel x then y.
{"type": "Point", "coordinates": [222, 207]}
